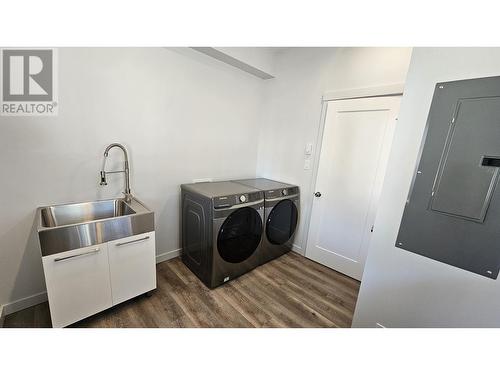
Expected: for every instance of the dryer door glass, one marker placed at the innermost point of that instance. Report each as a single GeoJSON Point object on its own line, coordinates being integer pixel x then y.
{"type": "Point", "coordinates": [239, 235]}
{"type": "Point", "coordinates": [281, 222]}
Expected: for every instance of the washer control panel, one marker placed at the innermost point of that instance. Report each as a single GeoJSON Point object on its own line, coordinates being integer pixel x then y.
{"type": "Point", "coordinates": [232, 200]}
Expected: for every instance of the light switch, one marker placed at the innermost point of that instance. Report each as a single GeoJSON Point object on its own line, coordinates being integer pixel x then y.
{"type": "Point", "coordinates": [307, 164]}
{"type": "Point", "coordinates": [309, 149]}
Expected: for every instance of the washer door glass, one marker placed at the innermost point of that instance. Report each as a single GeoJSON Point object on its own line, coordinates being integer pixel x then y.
{"type": "Point", "coordinates": [281, 222]}
{"type": "Point", "coordinates": [239, 235]}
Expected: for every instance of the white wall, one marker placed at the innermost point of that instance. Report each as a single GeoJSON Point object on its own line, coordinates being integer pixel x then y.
{"type": "Point", "coordinates": [293, 106]}
{"type": "Point", "coordinates": [181, 114]}
{"type": "Point", "coordinates": [399, 288]}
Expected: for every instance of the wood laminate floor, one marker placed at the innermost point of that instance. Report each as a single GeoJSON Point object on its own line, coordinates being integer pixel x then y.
{"type": "Point", "coordinates": [290, 291]}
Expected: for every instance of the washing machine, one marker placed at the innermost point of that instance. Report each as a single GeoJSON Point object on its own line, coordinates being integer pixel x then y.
{"type": "Point", "coordinates": [281, 215]}
{"type": "Point", "coordinates": [222, 228]}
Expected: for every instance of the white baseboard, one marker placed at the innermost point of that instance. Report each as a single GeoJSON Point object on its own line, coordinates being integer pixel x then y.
{"type": "Point", "coordinates": [298, 249]}
{"type": "Point", "coordinates": [2, 318]}
{"type": "Point", "coordinates": [168, 255]}
{"type": "Point", "coordinates": [24, 303]}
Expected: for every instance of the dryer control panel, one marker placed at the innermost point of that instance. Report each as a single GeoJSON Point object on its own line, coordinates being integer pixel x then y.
{"type": "Point", "coordinates": [280, 193]}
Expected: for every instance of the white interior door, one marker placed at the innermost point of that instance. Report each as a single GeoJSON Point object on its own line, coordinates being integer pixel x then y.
{"type": "Point", "coordinates": [355, 148]}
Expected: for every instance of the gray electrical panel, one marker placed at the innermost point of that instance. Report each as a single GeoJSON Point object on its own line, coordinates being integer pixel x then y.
{"type": "Point", "coordinates": [453, 210]}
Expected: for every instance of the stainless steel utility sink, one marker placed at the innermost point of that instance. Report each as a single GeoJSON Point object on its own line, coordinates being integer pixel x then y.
{"type": "Point", "coordinates": [75, 225]}
{"type": "Point", "coordinates": [66, 214]}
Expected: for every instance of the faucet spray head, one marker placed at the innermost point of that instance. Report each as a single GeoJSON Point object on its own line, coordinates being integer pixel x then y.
{"type": "Point", "coordinates": [103, 179]}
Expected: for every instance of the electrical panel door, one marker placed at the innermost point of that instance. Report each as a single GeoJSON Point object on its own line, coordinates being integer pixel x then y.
{"type": "Point", "coordinates": [453, 210]}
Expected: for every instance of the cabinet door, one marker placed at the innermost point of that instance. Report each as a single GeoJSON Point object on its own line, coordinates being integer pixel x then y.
{"type": "Point", "coordinates": [78, 284]}
{"type": "Point", "coordinates": [132, 265]}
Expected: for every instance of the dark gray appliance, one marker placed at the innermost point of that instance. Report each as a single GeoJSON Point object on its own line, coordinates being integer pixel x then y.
{"type": "Point", "coordinates": [222, 225]}
{"type": "Point", "coordinates": [281, 215]}
{"type": "Point", "coordinates": [453, 211]}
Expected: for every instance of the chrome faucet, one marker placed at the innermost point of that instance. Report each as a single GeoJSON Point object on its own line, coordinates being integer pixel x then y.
{"type": "Point", "coordinates": [126, 170]}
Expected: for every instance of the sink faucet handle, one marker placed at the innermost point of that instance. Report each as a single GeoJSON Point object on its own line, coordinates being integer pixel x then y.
{"type": "Point", "coordinates": [103, 179]}
{"type": "Point", "coordinates": [128, 197]}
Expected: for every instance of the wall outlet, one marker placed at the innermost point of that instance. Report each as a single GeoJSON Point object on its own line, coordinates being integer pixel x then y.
{"type": "Point", "coordinates": [309, 149]}
{"type": "Point", "coordinates": [307, 164]}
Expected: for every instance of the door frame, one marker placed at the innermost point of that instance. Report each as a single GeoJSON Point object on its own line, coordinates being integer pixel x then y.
{"type": "Point", "coordinates": [359, 93]}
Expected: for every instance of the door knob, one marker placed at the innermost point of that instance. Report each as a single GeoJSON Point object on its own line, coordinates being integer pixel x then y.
{"type": "Point", "coordinates": [317, 194]}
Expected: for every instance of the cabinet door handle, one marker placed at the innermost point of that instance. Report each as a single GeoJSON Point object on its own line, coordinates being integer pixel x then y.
{"type": "Point", "coordinates": [137, 240]}
{"type": "Point", "coordinates": [77, 255]}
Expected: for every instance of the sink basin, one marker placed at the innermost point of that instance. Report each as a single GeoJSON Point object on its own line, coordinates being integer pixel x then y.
{"type": "Point", "coordinates": [71, 226]}
{"type": "Point", "coordinates": [66, 214]}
